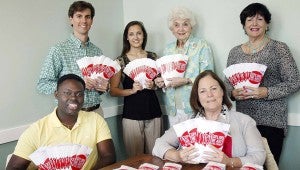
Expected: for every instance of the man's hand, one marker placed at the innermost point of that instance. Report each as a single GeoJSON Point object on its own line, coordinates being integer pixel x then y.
{"type": "Point", "coordinates": [17, 162]}
{"type": "Point", "coordinates": [106, 154]}
{"type": "Point", "coordinates": [101, 84]}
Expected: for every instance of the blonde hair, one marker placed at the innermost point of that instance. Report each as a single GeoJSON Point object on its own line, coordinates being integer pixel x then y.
{"type": "Point", "coordinates": [180, 13]}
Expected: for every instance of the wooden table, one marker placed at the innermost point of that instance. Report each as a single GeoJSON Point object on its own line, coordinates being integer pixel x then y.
{"type": "Point", "coordinates": [136, 161]}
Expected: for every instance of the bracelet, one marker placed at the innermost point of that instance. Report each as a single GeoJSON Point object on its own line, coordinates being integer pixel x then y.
{"type": "Point", "coordinates": [232, 163]}
{"type": "Point", "coordinates": [267, 91]}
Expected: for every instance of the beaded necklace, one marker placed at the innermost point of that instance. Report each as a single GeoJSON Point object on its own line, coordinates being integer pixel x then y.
{"type": "Point", "coordinates": [180, 50]}
{"type": "Point", "coordinates": [255, 49]}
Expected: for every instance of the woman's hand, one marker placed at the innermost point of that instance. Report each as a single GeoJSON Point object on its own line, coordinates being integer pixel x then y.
{"type": "Point", "coordinates": [136, 86]}
{"type": "Point", "coordinates": [255, 93]}
{"type": "Point", "coordinates": [248, 92]}
{"type": "Point", "coordinates": [177, 81]}
{"type": "Point", "coordinates": [159, 82]}
{"type": "Point", "coordinates": [187, 155]}
{"type": "Point", "coordinates": [238, 94]}
{"type": "Point", "coordinates": [149, 84]}
{"type": "Point", "coordinates": [216, 155]}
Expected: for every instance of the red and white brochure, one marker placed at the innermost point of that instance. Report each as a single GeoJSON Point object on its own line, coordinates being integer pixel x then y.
{"type": "Point", "coordinates": [125, 167]}
{"type": "Point", "coordinates": [148, 166]}
{"type": "Point", "coordinates": [250, 166]}
{"type": "Point", "coordinates": [214, 166]}
{"type": "Point", "coordinates": [200, 133]}
{"type": "Point", "coordinates": [172, 66]}
{"type": "Point", "coordinates": [98, 66]}
{"type": "Point", "coordinates": [172, 166]}
{"type": "Point", "coordinates": [141, 70]}
{"type": "Point", "coordinates": [62, 156]}
{"type": "Point", "coordinates": [245, 74]}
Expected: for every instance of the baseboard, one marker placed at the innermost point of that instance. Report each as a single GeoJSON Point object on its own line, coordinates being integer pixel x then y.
{"type": "Point", "coordinates": [12, 134]}
{"type": "Point", "coordinates": [294, 119]}
{"type": "Point", "coordinates": [112, 111]}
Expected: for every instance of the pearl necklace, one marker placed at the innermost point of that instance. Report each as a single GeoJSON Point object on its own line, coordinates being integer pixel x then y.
{"type": "Point", "coordinates": [256, 49]}
{"type": "Point", "coordinates": [180, 50]}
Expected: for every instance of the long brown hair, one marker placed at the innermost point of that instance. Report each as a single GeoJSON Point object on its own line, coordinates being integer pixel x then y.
{"type": "Point", "coordinates": [126, 44]}
{"type": "Point", "coordinates": [194, 98]}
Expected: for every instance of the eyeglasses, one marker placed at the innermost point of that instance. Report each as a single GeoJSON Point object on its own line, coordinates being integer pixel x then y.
{"type": "Point", "coordinates": [71, 93]}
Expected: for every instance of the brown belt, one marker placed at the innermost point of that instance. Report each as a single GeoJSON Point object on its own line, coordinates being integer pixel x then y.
{"type": "Point", "coordinates": [89, 109]}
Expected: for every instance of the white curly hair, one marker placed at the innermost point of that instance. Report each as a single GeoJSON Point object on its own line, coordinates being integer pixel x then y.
{"type": "Point", "coordinates": [181, 13]}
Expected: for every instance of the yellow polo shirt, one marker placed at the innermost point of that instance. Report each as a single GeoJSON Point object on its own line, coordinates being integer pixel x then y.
{"type": "Point", "coordinates": [89, 130]}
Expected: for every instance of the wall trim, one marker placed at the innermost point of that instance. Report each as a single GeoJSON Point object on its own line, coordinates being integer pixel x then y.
{"type": "Point", "coordinates": [113, 111]}
{"type": "Point", "coordinates": [294, 119]}
{"type": "Point", "coordinates": [12, 134]}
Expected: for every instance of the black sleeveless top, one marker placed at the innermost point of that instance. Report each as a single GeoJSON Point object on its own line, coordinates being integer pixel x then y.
{"type": "Point", "coordinates": [142, 105]}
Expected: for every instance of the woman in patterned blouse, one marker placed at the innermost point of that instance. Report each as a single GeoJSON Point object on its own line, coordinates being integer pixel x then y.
{"type": "Point", "coordinates": [176, 97]}
{"type": "Point", "coordinates": [266, 104]}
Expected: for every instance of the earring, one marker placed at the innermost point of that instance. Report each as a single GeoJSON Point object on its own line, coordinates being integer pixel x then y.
{"type": "Point", "coordinates": [223, 110]}
{"type": "Point", "coordinates": [267, 29]}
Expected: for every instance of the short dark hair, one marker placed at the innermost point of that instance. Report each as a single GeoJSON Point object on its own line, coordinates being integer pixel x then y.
{"type": "Point", "coordinates": [126, 44]}
{"type": "Point", "coordinates": [253, 9]}
{"type": "Point", "coordinates": [70, 77]}
{"type": "Point", "coordinates": [80, 6]}
{"type": "Point", "coordinates": [194, 98]}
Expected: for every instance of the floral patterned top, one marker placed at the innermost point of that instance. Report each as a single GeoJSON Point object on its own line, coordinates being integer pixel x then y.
{"type": "Point", "coordinates": [200, 59]}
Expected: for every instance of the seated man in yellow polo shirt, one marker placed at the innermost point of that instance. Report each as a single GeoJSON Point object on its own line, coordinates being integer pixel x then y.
{"type": "Point", "coordinates": [67, 124]}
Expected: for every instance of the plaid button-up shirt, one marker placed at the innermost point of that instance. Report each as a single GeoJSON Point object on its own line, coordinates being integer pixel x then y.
{"type": "Point", "coordinates": [61, 60]}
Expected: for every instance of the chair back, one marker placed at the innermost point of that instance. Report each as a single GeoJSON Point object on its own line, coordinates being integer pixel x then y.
{"type": "Point", "coordinates": [7, 159]}
{"type": "Point", "coordinates": [270, 162]}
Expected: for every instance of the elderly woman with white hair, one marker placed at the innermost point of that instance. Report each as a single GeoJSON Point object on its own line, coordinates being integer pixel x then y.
{"type": "Point", "coordinates": [181, 22]}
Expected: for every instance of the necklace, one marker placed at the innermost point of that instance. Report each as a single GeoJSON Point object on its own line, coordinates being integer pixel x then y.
{"type": "Point", "coordinates": [137, 54]}
{"type": "Point", "coordinates": [132, 56]}
{"type": "Point", "coordinates": [180, 50]}
{"type": "Point", "coordinates": [256, 49]}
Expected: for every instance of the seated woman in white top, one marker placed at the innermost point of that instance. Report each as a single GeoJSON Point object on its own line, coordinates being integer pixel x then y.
{"type": "Point", "coordinates": [209, 101]}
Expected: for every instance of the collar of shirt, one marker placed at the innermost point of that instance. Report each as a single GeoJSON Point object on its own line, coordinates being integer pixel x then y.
{"type": "Point", "coordinates": [224, 115]}
{"type": "Point", "coordinates": [56, 122]}
{"type": "Point", "coordinates": [78, 43]}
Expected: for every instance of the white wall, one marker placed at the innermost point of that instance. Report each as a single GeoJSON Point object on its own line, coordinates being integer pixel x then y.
{"type": "Point", "coordinates": [27, 30]}
{"type": "Point", "coordinates": [218, 23]}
